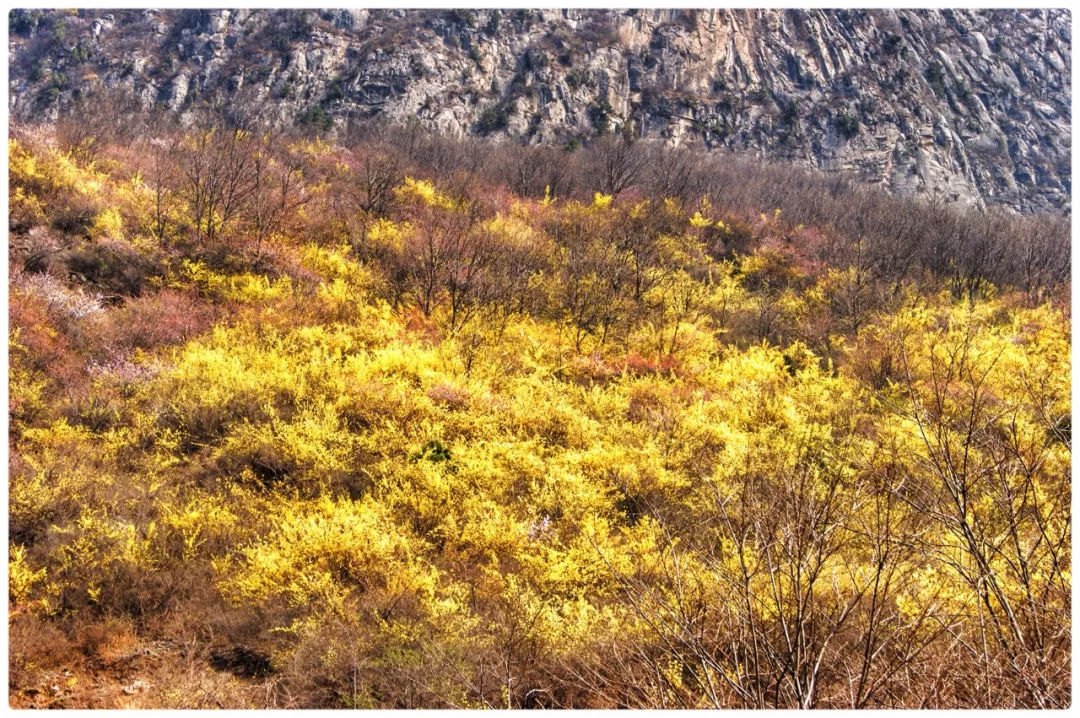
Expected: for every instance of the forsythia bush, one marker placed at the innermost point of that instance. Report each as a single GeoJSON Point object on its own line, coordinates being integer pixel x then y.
{"type": "Point", "coordinates": [484, 451]}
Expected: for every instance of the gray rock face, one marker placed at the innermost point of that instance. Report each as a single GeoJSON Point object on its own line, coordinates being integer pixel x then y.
{"type": "Point", "coordinates": [965, 106]}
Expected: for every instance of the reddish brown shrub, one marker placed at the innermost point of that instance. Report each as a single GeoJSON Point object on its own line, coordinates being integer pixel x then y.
{"type": "Point", "coordinates": [168, 317]}
{"type": "Point", "coordinates": [43, 347]}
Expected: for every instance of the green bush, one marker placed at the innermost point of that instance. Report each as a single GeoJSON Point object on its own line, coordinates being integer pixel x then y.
{"type": "Point", "coordinates": [492, 119]}
{"type": "Point", "coordinates": [847, 125]}
{"type": "Point", "coordinates": [600, 115]}
{"type": "Point", "coordinates": [317, 118]}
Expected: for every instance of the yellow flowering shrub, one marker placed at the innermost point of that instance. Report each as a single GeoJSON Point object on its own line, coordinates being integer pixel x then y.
{"type": "Point", "coordinates": [673, 457]}
{"type": "Point", "coordinates": [425, 192]}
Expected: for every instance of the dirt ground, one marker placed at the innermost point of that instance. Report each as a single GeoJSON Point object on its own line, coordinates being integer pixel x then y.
{"type": "Point", "coordinates": [109, 666]}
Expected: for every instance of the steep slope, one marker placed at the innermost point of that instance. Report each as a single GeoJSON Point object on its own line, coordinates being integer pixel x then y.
{"type": "Point", "coordinates": [959, 105]}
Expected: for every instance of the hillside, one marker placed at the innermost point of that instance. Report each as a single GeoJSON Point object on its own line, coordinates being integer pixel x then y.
{"type": "Point", "coordinates": [403, 420]}
{"type": "Point", "coordinates": [968, 106]}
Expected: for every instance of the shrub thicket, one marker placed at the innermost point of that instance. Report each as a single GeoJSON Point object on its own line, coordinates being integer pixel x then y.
{"type": "Point", "coordinates": [412, 421]}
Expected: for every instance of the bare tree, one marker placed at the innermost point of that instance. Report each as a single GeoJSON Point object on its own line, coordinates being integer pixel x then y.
{"type": "Point", "coordinates": [673, 172]}
{"type": "Point", "coordinates": [616, 163]}
{"type": "Point", "coordinates": [1006, 535]}
{"type": "Point", "coordinates": [162, 176]}
{"type": "Point", "coordinates": [217, 178]}
{"type": "Point", "coordinates": [277, 190]}
{"type": "Point", "coordinates": [376, 174]}
{"type": "Point", "coordinates": [438, 254]}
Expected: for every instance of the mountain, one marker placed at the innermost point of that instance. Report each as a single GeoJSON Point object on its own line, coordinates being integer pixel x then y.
{"type": "Point", "coordinates": [964, 106]}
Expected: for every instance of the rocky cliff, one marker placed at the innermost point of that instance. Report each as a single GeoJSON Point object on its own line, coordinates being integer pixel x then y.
{"type": "Point", "coordinates": [969, 106]}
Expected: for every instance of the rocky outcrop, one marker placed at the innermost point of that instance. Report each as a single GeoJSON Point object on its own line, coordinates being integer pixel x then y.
{"type": "Point", "coordinates": [967, 106]}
